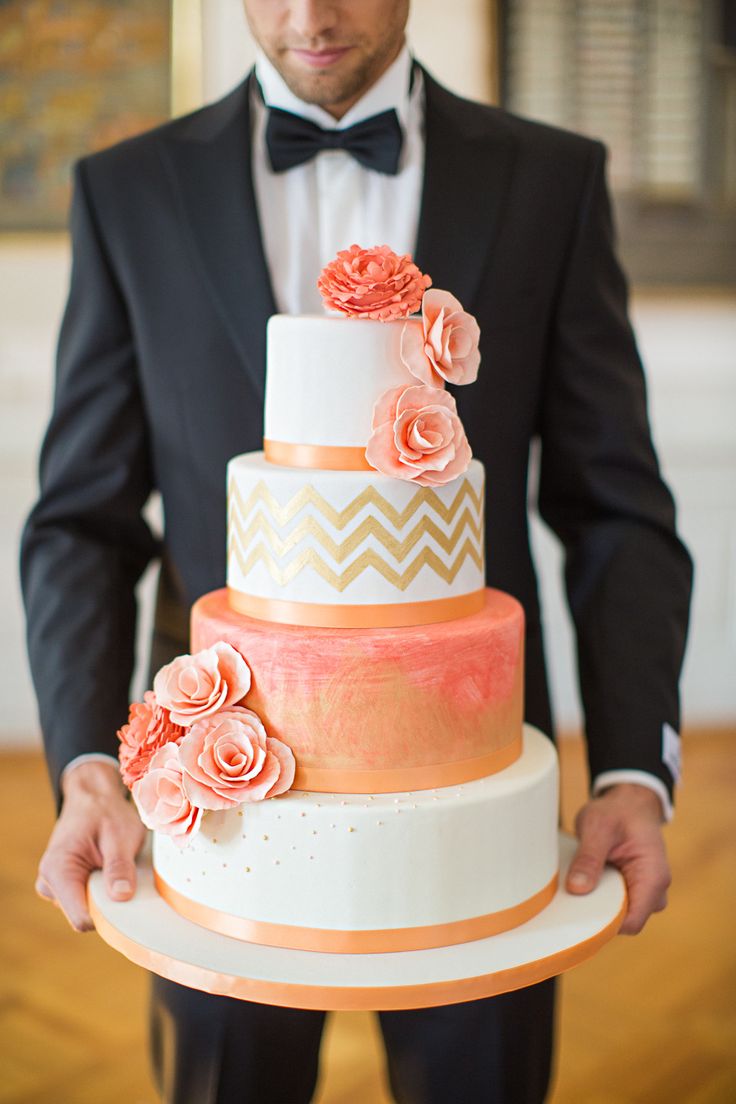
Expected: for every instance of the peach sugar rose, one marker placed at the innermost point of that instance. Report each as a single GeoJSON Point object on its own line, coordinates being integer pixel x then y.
{"type": "Point", "coordinates": [161, 799]}
{"type": "Point", "coordinates": [148, 729]}
{"type": "Point", "coordinates": [228, 759]}
{"type": "Point", "coordinates": [447, 346]}
{"type": "Point", "coordinates": [372, 283]}
{"type": "Point", "coordinates": [196, 686]}
{"type": "Point", "coordinates": [418, 435]}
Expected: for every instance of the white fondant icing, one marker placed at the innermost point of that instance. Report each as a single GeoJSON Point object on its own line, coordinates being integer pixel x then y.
{"type": "Point", "coordinates": [325, 374]}
{"type": "Point", "coordinates": [355, 862]}
{"type": "Point", "coordinates": [264, 545]}
{"type": "Point", "coordinates": [567, 932]}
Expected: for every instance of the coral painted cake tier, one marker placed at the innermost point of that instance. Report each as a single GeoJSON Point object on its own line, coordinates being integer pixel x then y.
{"type": "Point", "coordinates": [370, 710]}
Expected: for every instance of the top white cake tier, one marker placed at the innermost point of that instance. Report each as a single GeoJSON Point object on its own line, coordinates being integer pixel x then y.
{"type": "Point", "coordinates": [324, 376]}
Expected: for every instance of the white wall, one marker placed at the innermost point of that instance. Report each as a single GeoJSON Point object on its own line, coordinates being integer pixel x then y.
{"type": "Point", "coordinates": [33, 278]}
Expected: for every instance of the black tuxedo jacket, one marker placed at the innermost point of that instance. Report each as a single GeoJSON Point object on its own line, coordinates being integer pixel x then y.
{"type": "Point", "coordinates": [161, 378]}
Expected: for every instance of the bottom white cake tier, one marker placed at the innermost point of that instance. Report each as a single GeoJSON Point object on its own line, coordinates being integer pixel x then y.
{"type": "Point", "coordinates": [362, 873]}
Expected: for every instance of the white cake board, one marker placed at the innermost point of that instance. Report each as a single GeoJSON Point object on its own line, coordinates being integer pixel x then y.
{"type": "Point", "coordinates": [149, 932]}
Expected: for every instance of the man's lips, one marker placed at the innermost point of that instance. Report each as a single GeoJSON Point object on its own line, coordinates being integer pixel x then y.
{"type": "Point", "coordinates": [321, 59]}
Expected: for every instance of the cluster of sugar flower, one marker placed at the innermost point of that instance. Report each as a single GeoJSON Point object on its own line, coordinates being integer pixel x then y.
{"type": "Point", "coordinates": [417, 433]}
{"type": "Point", "coordinates": [189, 746]}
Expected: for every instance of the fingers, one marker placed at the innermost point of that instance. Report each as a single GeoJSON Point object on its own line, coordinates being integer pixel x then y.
{"type": "Point", "coordinates": [94, 831]}
{"type": "Point", "coordinates": [647, 880]}
{"type": "Point", "coordinates": [62, 878]}
{"type": "Point", "coordinates": [598, 834]}
{"type": "Point", "coordinates": [622, 828]}
{"type": "Point", "coordinates": [43, 889]}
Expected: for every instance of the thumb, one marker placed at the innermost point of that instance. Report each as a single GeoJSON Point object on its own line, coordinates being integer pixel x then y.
{"type": "Point", "coordinates": [597, 835]}
{"type": "Point", "coordinates": [118, 866]}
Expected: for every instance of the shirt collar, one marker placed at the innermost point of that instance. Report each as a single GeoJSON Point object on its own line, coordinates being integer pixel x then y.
{"type": "Point", "coordinates": [390, 90]}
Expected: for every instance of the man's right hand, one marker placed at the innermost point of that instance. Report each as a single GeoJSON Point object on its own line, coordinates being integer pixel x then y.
{"type": "Point", "coordinates": [98, 828]}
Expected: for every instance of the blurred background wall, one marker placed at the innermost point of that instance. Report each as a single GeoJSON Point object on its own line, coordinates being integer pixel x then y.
{"type": "Point", "coordinates": [656, 80]}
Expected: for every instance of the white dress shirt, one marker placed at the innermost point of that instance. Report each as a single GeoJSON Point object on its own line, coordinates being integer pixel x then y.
{"type": "Point", "coordinates": [310, 212]}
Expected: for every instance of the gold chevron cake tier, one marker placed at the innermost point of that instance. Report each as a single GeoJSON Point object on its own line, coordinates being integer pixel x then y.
{"type": "Point", "coordinates": [352, 548]}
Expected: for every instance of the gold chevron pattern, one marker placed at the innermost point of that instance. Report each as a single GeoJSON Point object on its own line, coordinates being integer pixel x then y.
{"type": "Point", "coordinates": [370, 558]}
{"type": "Point", "coordinates": [308, 495]}
{"type": "Point", "coordinates": [369, 527]}
{"type": "Point", "coordinates": [254, 537]}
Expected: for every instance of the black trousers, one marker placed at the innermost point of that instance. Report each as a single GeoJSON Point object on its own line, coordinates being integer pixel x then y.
{"type": "Point", "coordinates": [218, 1050]}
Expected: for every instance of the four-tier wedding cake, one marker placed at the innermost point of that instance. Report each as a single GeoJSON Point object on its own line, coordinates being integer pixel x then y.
{"type": "Point", "coordinates": [341, 764]}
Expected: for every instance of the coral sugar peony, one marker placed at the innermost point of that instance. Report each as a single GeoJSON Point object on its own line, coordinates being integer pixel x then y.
{"type": "Point", "coordinates": [372, 283]}
{"type": "Point", "coordinates": [149, 727]}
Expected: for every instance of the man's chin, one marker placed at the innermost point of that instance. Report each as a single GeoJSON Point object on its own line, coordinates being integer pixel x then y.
{"type": "Point", "coordinates": [322, 85]}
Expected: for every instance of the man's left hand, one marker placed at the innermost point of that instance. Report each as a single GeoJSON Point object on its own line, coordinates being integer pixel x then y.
{"type": "Point", "coordinates": [623, 826]}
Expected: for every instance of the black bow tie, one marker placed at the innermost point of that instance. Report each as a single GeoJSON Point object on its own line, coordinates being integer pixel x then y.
{"type": "Point", "coordinates": [374, 142]}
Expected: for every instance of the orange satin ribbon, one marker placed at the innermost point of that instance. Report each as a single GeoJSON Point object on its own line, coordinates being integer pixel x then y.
{"type": "Point", "coordinates": [353, 998]}
{"type": "Point", "coordinates": [376, 941]}
{"type": "Point", "coordinates": [398, 779]}
{"type": "Point", "coordinates": [327, 457]}
{"type": "Point", "coordinates": [389, 615]}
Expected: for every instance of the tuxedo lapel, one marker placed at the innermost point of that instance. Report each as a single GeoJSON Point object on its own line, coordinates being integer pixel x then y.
{"type": "Point", "coordinates": [467, 171]}
{"type": "Point", "coordinates": [210, 162]}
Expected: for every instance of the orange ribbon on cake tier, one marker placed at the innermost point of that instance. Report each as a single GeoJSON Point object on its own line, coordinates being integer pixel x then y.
{"type": "Point", "coordinates": [365, 616]}
{"type": "Point", "coordinates": [368, 941]}
{"type": "Point", "coordinates": [325, 457]}
{"type": "Point", "coordinates": [399, 779]}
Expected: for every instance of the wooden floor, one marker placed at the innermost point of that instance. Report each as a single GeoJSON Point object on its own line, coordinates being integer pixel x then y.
{"type": "Point", "coordinates": [650, 1020]}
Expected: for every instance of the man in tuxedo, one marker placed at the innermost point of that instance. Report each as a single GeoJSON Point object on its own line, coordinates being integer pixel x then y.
{"type": "Point", "coordinates": [185, 240]}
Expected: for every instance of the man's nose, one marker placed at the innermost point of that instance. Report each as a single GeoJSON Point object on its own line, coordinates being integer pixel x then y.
{"type": "Point", "coordinates": [313, 18]}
